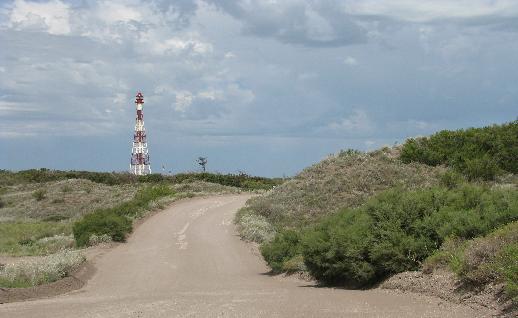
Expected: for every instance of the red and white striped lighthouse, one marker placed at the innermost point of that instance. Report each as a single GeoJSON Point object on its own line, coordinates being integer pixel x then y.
{"type": "Point", "coordinates": [139, 153]}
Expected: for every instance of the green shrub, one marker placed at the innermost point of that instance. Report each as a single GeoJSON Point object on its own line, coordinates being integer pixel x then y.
{"type": "Point", "coordinates": [39, 194]}
{"type": "Point", "coordinates": [476, 152]}
{"type": "Point", "coordinates": [101, 223]}
{"type": "Point", "coordinates": [397, 230]}
{"type": "Point", "coordinates": [2, 203]}
{"type": "Point", "coordinates": [506, 265]}
{"type": "Point", "coordinates": [116, 222]}
{"type": "Point", "coordinates": [336, 250]}
{"type": "Point", "coordinates": [282, 248]}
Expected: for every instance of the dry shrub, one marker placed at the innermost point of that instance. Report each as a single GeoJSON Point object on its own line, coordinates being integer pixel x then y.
{"type": "Point", "coordinates": [41, 270]}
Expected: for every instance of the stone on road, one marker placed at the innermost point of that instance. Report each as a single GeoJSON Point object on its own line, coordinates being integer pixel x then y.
{"type": "Point", "coordinates": [187, 261]}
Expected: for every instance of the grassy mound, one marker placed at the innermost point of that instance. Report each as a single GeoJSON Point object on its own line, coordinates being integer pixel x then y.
{"type": "Point", "coordinates": [344, 180]}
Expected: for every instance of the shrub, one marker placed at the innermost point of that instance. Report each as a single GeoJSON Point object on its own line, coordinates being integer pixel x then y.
{"type": "Point", "coordinates": [39, 194]}
{"type": "Point", "coordinates": [282, 248]}
{"type": "Point", "coordinates": [336, 250]}
{"type": "Point", "coordinates": [476, 152]}
{"type": "Point", "coordinates": [101, 223]}
{"type": "Point", "coordinates": [396, 230]}
{"type": "Point", "coordinates": [2, 203]}
{"type": "Point", "coordinates": [116, 221]}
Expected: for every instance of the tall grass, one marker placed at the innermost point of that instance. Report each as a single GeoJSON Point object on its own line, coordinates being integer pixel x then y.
{"type": "Point", "coordinates": [31, 238]}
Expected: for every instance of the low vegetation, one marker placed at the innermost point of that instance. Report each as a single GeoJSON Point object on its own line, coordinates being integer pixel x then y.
{"type": "Point", "coordinates": [479, 153]}
{"type": "Point", "coordinates": [483, 260]}
{"type": "Point", "coordinates": [116, 222]}
{"type": "Point", "coordinates": [240, 180]}
{"type": "Point", "coordinates": [397, 230]}
{"type": "Point", "coordinates": [40, 271]}
{"type": "Point", "coordinates": [448, 200]}
{"type": "Point", "coordinates": [34, 238]}
{"type": "Point", "coordinates": [343, 180]}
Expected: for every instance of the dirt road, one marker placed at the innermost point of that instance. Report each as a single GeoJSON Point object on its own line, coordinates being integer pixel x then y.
{"type": "Point", "coordinates": [188, 262]}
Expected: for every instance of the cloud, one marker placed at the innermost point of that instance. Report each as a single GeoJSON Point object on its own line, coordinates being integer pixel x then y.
{"type": "Point", "coordinates": [308, 23]}
{"type": "Point", "coordinates": [52, 17]}
{"type": "Point", "coordinates": [357, 122]}
{"type": "Point", "coordinates": [430, 10]}
{"type": "Point", "coordinates": [183, 101]}
{"type": "Point", "coordinates": [351, 61]}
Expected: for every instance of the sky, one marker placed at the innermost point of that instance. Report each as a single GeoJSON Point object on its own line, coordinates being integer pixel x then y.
{"type": "Point", "coordinates": [265, 87]}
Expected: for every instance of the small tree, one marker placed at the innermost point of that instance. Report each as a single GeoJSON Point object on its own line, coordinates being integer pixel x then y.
{"type": "Point", "coordinates": [202, 161]}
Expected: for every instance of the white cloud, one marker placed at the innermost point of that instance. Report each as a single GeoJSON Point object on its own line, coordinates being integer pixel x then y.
{"type": "Point", "coordinates": [113, 12]}
{"type": "Point", "coordinates": [211, 94]}
{"type": "Point", "coordinates": [351, 61]}
{"type": "Point", "coordinates": [52, 17]}
{"type": "Point", "coordinates": [358, 121]}
{"type": "Point", "coordinates": [183, 101]}
{"type": "Point", "coordinates": [427, 10]}
{"type": "Point", "coordinates": [230, 55]}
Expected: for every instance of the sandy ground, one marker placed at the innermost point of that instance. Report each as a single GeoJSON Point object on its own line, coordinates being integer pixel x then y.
{"type": "Point", "coordinates": [187, 261]}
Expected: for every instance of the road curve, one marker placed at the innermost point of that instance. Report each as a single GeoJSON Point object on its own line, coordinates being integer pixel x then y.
{"type": "Point", "coordinates": [188, 262]}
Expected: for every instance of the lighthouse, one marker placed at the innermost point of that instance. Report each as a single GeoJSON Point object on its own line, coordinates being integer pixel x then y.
{"type": "Point", "coordinates": [139, 153]}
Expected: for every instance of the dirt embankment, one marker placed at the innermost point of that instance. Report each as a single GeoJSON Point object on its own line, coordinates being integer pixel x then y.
{"type": "Point", "coordinates": [445, 285]}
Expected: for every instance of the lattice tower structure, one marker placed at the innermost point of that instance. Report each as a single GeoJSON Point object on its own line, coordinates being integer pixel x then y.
{"type": "Point", "coordinates": [139, 152]}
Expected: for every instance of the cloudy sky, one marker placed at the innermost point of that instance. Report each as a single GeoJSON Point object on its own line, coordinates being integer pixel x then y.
{"type": "Point", "coordinates": [262, 86]}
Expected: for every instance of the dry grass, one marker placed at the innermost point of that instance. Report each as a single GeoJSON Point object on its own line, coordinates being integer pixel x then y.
{"type": "Point", "coordinates": [33, 272]}
{"type": "Point", "coordinates": [201, 187]}
{"type": "Point", "coordinates": [346, 179]}
{"type": "Point", "coordinates": [61, 200]}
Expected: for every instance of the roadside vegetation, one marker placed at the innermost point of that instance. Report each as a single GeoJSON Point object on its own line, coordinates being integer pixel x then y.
{"type": "Point", "coordinates": [483, 260]}
{"type": "Point", "coordinates": [449, 200]}
{"type": "Point", "coordinates": [38, 271]}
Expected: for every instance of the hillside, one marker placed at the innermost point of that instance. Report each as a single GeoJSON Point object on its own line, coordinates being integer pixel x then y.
{"type": "Point", "coordinates": [355, 219]}
{"type": "Point", "coordinates": [346, 179]}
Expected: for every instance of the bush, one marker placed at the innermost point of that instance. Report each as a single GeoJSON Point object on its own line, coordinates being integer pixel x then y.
{"type": "Point", "coordinates": [101, 223]}
{"type": "Point", "coordinates": [396, 230]}
{"type": "Point", "coordinates": [282, 248]}
{"type": "Point", "coordinates": [116, 221]}
{"type": "Point", "coordinates": [39, 194]}
{"type": "Point", "coordinates": [336, 250]}
{"type": "Point", "coordinates": [479, 153]}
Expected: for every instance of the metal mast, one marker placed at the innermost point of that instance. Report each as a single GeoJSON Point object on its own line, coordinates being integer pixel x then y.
{"type": "Point", "coordinates": [139, 153]}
